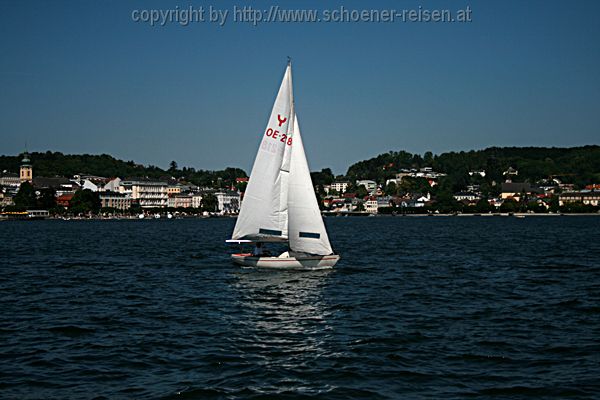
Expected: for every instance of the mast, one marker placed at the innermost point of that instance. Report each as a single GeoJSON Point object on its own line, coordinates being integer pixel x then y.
{"type": "Point", "coordinates": [284, 170]}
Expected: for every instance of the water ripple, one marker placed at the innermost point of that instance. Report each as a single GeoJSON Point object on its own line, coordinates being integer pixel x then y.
{"type": "Point", "coordinates": [417, 308]}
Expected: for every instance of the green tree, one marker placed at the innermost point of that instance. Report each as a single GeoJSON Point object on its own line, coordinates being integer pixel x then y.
{"type": "Point", "coordinates": [419, 185]}
{"type": "Point", "coordinates": [509, 205]}
{"type": "Point", "coordinates": [85, 201]}
{"type": "Point", "coordinates": [241, 186]}
{"type": "Point", "coordinates": [25, 197]}
{"type": "Point", "coordinates": [554, 207]}
{"type": "Point", "coordinates": [47, 199]}
{"type": "Point", "coordinates": [135, 208]}
{"type": "Point", "coordinates": [209, 202]}
{"type": "Point", "coordinates": [390, 189]}
{"type": "Point", "coordinates": [446, 203]}
{"type": "Point", "coordinates": [324, 177]}
{"type": "Point", "coordinates": [351, 188]}
{"type": "Point", "coordinates": [483, 206]}
{"type": "Point", "coordinates": [428, 158]}
{"type": "Point", "coordinates": [361, 192]}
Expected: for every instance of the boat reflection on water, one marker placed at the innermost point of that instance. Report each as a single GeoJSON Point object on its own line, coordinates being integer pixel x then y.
{"type": "Point", "coordinates": [284, 318]}
{"type": "Point", "coordinates": [281, 301]}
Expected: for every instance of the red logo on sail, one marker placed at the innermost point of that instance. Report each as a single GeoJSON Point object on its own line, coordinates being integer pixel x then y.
{"type": "Point", "coordinates": [281, 120]}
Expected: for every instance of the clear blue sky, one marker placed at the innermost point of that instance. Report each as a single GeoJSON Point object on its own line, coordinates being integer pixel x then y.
{"type": "Point", "coordinates": [82, 77]}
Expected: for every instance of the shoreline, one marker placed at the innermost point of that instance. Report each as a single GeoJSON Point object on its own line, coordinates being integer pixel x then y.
{"type": "Point", "coordinates": [513, 215]}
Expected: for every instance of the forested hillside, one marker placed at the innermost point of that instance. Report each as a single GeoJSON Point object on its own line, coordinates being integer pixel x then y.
{"type": "Point", "coordinates": [58, 164]}
{"type": "Point", "coordinates": [579, 165]}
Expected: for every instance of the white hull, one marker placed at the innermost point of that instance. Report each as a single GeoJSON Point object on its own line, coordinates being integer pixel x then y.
{"type": "Point", "coordinates": [306, 263]}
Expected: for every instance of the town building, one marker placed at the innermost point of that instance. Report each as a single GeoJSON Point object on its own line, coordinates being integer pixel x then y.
{"type": "Point", "coordinates": [385, 201]}
{"type": "Point", "coordinates": [64, 200]}
{"type": "Point", "coordinates": [56, 183]}
{"type": "Point", "coordinates": [120, 201]}
{"type": "Point", "coordinates": [336, 204]}
{"type": "Point", "coordinates": [26, 170]}
{"type": "Point", "coordinates": [474, 188]}
{"type": "Point", "coordinates": [467, 196]}
{"type": "Point", "coordinates": [517, 190]}
{"type": "Point", "coordinates": [423, 200]}
{"type": "Point", "coordinates": [112, 185]}
{"type": "Point", "coordinates": [339, 186]}
{"type": "Point", "coordinates": [228, 201]}
{"type": "Point", "coordinates": [62, 186]}
{"type": "Point", "coordinates": [371, 205]}
{"type": "Point", "coordinates": [88, 184]}
{"type": "Point", "coordinates": [174, 189]}
{"type": "Point", "coordinates": [149, 194]}
{"type": "Point", "coordinates": [510, 173]}
{"type": "Point", "coordinates": [426, 172]}
{"type": "Point", "coordinates": [371, 186]}
{"type": "Point", "coordinates": [496, 202]}
{"type": "Point", "coordinates": [481, 173]}
{"type": "Point", "coordinates": [180, 200]}
{"type": "Point", "coordinates": [197, 200]}
{"type": "Point", "coordinates": [584, 197]}
{"type": "Point", "coordinates": [566, 187]}
{"type": "Point", "coordinates": [10, 179]}
{"type": "Point", "coordinates": [5, 199]}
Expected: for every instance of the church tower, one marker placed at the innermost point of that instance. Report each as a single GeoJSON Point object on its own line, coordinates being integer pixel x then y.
{"type": "Point", "coordinates": [26, 171]}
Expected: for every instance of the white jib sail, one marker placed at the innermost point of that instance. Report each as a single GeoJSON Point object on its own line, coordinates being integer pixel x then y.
{"type": "Point", "coordinates": [307, 232]}
{"type": "Point", "coordinates": [264, 210]}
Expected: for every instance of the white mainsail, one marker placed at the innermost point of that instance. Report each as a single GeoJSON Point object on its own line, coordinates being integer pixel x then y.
{"type": "Point", "coordinates": [307, 232]}
{"type": "Point", "coordinates": [263, 214]}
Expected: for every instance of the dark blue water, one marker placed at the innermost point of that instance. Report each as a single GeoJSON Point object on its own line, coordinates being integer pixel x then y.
{"type": "Point", "coordinates": [488, 307]}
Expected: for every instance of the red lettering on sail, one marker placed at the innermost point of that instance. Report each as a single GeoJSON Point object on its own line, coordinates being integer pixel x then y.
{"type": "Point", "coordinates": [284, 138]}
{"type": "Point", "coordinates": [281, 120]}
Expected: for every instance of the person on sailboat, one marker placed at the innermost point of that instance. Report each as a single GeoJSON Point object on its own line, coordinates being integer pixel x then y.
{"type": "Point", "coordinates": [258, 251]}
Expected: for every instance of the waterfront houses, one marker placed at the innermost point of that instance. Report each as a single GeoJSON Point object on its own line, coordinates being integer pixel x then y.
{"type": "Point", "coordinates": [228, 201]}
{"type": "Point", "coordinates": [370, 185]}
{"type": "Point", "coordinates": [371, 205]}
{"type": "Point", "coordinates": [339, 186]}
{"type": "Point", "coordinates": [8, 179]}
{"type": "Point", "coordinates": [586, 197]}
{"type": "Point", "coordinates": [196, 200]}
{"type": "Point", "coordinates": [517, 190]}
{"type": "Point", "coordinates": [147, 193]}
{"type": "Point", "coordinates": [64, 200]}
{"type": "Point", "coordinates": [113, 185]}
{"type": "Point", "coordinates": [119, 201]}
{"type": "Point", "coordinates": [415, 191]}
{"type": "Point", "coordinates": [180, 200]}
{"type": "Point", "coordinates": [469, 197]}
{"type": "Point", "coordinates": [427, 173]}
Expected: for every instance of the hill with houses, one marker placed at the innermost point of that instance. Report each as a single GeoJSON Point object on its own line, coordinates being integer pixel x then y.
{"type": "Point", "coordinates": [509, 179]}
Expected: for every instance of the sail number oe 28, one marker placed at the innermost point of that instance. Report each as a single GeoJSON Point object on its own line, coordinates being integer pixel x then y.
{"type": "Point", "coordinates": [276, 135]}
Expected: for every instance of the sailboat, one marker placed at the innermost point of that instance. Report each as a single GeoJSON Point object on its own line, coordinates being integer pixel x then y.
{"type": "Point", "coordinates": [279, 204]}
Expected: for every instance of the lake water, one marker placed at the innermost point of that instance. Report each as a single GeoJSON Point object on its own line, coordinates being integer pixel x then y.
{"type": "Point", "coordinates": [448, 307]}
